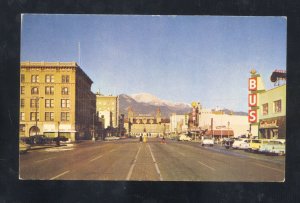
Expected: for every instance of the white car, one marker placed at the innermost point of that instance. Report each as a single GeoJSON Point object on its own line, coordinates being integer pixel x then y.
{"type": "Point", "coordinates": [239, 143]}
{"type": "Point", "coordinates": [245, 145]}
{"type": "Point", "coordinates": [109, 138]}
{"type": "Point", "coordinates": [273, 147]}
{"type": "Point", "coordinates": [207, 141]}
{"type": "Point", "coordinates": [183, 137]}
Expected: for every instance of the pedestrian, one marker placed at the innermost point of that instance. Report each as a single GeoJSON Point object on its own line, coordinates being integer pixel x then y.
{"type": "Point", "coordinates": [141, 138]}
{"type": "Point", "coordinates": [163, 139]}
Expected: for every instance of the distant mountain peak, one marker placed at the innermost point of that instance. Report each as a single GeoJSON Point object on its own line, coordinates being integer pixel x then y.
{"type": "Point", "coordinates": [154, 100]}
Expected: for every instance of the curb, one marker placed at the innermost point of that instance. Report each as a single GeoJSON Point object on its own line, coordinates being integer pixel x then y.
{"type": "Point", "coordinates": [44, 147]}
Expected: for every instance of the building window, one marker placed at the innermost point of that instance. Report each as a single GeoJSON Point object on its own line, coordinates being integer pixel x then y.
{"type": "Point", "coordinates": [49, 78]}
{"type": "Point", "coordinates": [22, 90]}
{"type": "Point", "coordinates": [49, 103]}
{"type": "Point", "coordinates": [22, 103]}
{"type": "Point", "coordinates": [65, 103]}
{"type": "Point", "coordinates": [34, 103]}
{"type": "Point", "coordinates": [49, 116]}
{"type": "Point", "coordinates": [265, 109]}
{"type": "Point", "coordinates": [35, 90]}
{"type": "Point", "coordinates": [22, 78]}
{"type": "Point", "coordinates": [34, 78]}
{"type": "Point", "coordinates": [34, 116]}
{"type": "Point", "coordinates": [277, 106]}
{"type": "Point", "coordinates": [49, 90]}
{"type": "Point", "coordinates": [64, 90]}
{"type": "Point", "coordinates": [22, 116]}
{"type": "Point", "coordinates": [65, 79]}
{"type": "Point", "coordinates": [65, 116]}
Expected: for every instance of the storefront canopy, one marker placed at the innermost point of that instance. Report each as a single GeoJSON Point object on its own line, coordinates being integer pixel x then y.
{"type": "Point", "coordinates": [220, 133]}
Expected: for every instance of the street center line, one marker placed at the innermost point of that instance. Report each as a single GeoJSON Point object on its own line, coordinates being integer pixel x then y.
{"type": "Point", "coordinates": [181, 153]}
{"type": "Point", "coordinates": [59, 175]}
{"type": "Point", "coordinates": [156, 166]}
{"type": "Point", "coordinates": [133, 164]}
{"type": "Point", "coordinates": [45, 159]}
{"type": "Point", "coordinates": [98, 157]}
{"type": "Point", "coordinates": [275, 169]}
{"type": "Point", "coordinates": [206, 166]}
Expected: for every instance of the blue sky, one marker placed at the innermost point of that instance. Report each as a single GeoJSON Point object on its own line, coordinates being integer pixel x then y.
{"type": "Point", "coordinates": [176, 58]}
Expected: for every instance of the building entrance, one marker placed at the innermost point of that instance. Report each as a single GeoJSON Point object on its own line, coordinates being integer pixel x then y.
{"type": "Point", "coordinates": [34, 130]}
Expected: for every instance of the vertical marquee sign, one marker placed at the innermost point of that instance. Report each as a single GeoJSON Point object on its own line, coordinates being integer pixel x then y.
{"type": "Point", "coordinates": [252, 100]}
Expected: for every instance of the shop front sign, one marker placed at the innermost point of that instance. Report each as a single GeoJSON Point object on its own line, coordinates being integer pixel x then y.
{"type": "Point", "coordinates": [268, 124]}
{"type": "Point", "coordinates": [252, 100]}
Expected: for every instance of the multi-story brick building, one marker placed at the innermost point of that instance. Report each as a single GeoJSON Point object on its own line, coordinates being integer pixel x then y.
{"type": "Point", "coordinates": [108, 107]}
{"type": "Point", "coordinates": [55, 97]}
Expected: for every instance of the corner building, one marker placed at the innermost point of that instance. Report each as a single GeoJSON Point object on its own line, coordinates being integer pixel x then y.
{"type": "Point", "coordinates": [55, 98]}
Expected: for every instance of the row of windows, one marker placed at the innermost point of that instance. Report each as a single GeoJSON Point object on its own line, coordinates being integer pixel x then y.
{"type": "Point", "coordinates": [49, 90]}
{"type": "Point", "coordinates": [49, 116]}
{"type": "Point", "coordinates": [276, 107]}
{"type": "Point", "coordinates": [49, 103]}
{"type": "Point", "coordinates": [48, 78]}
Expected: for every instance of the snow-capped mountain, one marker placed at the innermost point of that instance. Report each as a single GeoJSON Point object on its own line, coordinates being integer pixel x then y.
{"type": "Point", "coordinates": [145, 103]}
{"type": "Point", "coordinates": [153, 100]}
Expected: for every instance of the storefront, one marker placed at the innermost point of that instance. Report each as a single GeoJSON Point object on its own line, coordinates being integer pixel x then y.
{"type": "Point", "coordinates": [220, 133]}
{"type": "Point", "coordinates": [273, 128]}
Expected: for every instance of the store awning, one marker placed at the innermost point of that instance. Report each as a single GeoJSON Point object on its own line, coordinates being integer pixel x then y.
{"type": "Point", "coordinates": [220, 133]}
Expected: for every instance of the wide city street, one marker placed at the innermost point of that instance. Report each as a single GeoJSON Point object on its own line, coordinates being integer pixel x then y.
{"type": "Point", "coordinates": [131, 160]}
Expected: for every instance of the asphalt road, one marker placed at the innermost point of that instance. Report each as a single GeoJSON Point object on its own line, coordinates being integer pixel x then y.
{"type": "Point", "coordinates": [130, 160]}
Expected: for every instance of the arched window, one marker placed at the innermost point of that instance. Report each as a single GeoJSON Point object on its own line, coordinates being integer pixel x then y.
{"type": "Point", "coordinates": [35, 90]}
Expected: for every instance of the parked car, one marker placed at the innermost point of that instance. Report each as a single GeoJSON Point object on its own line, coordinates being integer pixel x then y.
{"type": "Point", "coordinates": [255, 144]}
{"type": "Point", "coordinates": [109, 138]}
{"type": "Point", "coordinates": [245, 145]}
{"type": "Point", "coordinates": [23, 147]}
{"type": "Point", "coordinates": [62, 139]}
{"type": "Point", "coordinates": [39, 139]}
{"type": "Point", "coordinates": [237, 144]}
{"type": "Point", "coordinates": [207, 141]}
{"type": "Point", "coordinates": [276, 147]}
{"type": "Point", "coordinates": [184, 137]}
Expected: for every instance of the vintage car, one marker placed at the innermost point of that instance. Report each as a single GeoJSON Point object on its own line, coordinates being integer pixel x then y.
{"type": "Point", "coordinates": [184, 137]}
{"type": "Point", "coordinates": [207, 141]}
{"type": "Point", "coordinates": [239, 143]}
{"type": "Point", "coordinates": [111, 138]}
{"type": "Point", "coordinates": [276, 147]}
{"type": "Point", "coordinates": [255, 144]}
{"type": "Point", "coordinates": [245, 145]}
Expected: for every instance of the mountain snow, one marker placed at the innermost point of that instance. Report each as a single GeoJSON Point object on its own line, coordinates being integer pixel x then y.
{"type": "Point", "coordinates": [151, 99]}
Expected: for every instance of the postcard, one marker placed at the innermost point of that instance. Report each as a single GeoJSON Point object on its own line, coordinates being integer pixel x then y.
{"type": "Point", "coordinates": [152, 98]}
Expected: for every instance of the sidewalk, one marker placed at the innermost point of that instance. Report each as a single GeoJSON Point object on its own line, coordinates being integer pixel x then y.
{"type": "Point", "coordinates": [36, 147]}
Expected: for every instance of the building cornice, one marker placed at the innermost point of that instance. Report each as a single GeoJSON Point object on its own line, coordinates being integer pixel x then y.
{"type": "Point", "coordinates": [48, 64]}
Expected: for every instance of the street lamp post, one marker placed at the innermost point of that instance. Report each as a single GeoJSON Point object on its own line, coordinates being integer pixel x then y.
{"type": "Point", "coordinates": [58, 137]}
{"type": "Point", "coordinates": [228, 123]}
{"type": "Point", "coordinates": [93, 138]}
